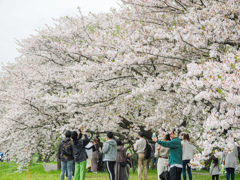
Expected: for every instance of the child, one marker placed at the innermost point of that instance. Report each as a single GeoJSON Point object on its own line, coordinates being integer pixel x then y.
{"type": "Point", "coordinates": [215, 169]}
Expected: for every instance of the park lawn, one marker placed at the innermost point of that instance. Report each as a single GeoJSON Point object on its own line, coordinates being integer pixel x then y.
{"type": "Point", "coordinates": [8, 172]}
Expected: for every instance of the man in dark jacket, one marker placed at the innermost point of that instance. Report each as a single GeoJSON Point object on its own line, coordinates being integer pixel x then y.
{"type": "Point", "coordinates": [65, 151]}
{"type": "Point", "coordinates": [80, 155]}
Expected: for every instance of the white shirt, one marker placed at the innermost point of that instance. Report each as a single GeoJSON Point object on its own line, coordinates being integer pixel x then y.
{"type": "Point", "coordinates": [140, 145]}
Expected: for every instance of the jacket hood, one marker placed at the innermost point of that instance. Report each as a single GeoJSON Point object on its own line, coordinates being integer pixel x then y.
{"type": "Point", "coordinates": [112, 142]}
{"type": "Point", "coordinates": [120, 148]}
{"type": "Point", "coordinates": [66, 140]}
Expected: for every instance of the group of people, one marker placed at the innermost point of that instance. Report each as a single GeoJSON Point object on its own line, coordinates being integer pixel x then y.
{"type": "Point", "coordinates": [228, 161]}
{"type": "Point", "coordinates": [73, 150]}
{"type": "Point", "coordinates": [172, 155]}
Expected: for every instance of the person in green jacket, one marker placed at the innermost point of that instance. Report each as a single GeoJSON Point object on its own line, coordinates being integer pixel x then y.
{"type": "Point", "coordinates": [175, 154]}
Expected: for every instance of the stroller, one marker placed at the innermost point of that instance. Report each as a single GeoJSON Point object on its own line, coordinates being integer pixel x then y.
{"type": "Point", "coordinates": [1, 157]}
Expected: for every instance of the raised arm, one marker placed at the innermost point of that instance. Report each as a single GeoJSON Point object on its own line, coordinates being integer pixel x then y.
{"type": "Point", "coordinates": [91, 147]}
{"type": "Point", "coordinates": [86, 140]}
{"type": "Point", "coordinates": [169, 144]}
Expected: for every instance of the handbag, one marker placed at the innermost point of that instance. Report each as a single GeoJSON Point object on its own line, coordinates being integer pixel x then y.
{"type": "Point", "coordinates": [165, 175]}
{"type": "Point", "coordinates": [123, 164]}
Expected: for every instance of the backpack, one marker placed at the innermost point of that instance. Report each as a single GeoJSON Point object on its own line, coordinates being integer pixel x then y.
{"type": "Point", "coordinates": [147, 151]}
{"type": "Point", "coordinates": [65, 151]}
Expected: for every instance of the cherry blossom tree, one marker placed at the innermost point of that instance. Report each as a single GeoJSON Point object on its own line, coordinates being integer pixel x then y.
{"type": "Point", "coordinates": [151, 65]}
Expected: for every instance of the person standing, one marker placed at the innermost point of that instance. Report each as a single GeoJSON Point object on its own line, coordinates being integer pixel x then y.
{"type": "Point", "coordinates": [162, 154]}
{"type": "Point", "coordinates": [121, 162]}
{"type": "Point", "coordinates": [80, 155]}
{"type": "Point", "coordinates": [65, 152]}
{"type": "Point", "coordinates": [215, 169]}
{"type": "Point", "coordinates": [95, 156]}
{"type": "Point", "coordinates": [188, 153]}
{"type": "Point", "coordinates": [128, 166]}
{"type": "Point", "coordinates": [110, 155]}
{"type": "Point", "coordinates": [175, 154]}
{"type": "Point", "coordinates": [140, 146]}
{"type": "Point", "coordinates": [230, 162]}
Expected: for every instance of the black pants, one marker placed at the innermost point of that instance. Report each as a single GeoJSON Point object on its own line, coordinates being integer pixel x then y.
{"type": "Point", "coordinates": [175, 173]}
{"type": "Point", "coordinates": [213, 177]}
{"type": "Point", "coordinates": [110, 168]}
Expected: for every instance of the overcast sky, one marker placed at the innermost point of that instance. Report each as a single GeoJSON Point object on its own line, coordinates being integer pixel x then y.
{"type": "Point", "coordinates": [20, 18]}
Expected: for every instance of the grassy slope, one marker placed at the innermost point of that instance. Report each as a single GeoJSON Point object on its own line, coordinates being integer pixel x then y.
{"type": "Point", "coordinates": [8, 172]}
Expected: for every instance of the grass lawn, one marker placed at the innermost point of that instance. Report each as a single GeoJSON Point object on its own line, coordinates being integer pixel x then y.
{"type": "Point", "coordinates": [8, 172]}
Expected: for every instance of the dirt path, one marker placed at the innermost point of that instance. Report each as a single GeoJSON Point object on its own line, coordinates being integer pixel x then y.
{"type": "Point", "coordinates": [201, 173]}
{"type": "Point", "coordinates": [50, 167]}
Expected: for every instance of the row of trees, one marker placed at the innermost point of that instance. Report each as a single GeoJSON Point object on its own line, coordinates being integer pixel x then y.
{"type": "Point", "coordinates": [150, 65]}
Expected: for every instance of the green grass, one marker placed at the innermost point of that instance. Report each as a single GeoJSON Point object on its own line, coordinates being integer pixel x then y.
{"type": "Point", "coordinates": [8, 171]}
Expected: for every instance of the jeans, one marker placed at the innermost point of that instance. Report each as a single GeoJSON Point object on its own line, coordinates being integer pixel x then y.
{"type": "Point", "coordinates": [66, 165]}
{"type": "Point", "coordinates": [73, 169]}
{"type": "Point", "coordinates": [230, 171]}
{"type": "Point", "coordinates": [185, 163]}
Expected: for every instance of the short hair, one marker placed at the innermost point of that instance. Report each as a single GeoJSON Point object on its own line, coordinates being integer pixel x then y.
{"type": "Point", "coordinates": [74, 135]}
{"type": "Point", "coordinates": [68, 134]}
{"type": "Point", "coordinates": [141, 134]}
{"type": "Point", "coordinates": [119, 142]}
{"type": "Point", "coordinates": [110, 135]}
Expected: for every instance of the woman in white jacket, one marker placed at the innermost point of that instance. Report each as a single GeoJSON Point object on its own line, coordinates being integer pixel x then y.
{"type": "Point", "coordinates": [229, 159]}
{"type": "Point", "coordinates": [188, 152]}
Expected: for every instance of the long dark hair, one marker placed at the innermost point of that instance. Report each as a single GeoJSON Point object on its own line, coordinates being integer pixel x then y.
{"type": "Point", "coordinates": [167, 137]}
{"type": "Point", "coordinates": [215, 162]}
{"type": "Point", "coordinates": [186, 137]}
